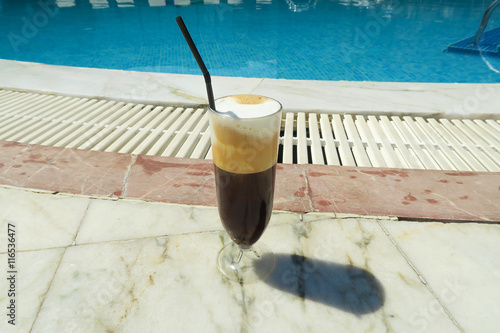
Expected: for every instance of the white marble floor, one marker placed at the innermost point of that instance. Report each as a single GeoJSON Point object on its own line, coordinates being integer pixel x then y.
{"type": "Point", "coordinates": [97, 265]}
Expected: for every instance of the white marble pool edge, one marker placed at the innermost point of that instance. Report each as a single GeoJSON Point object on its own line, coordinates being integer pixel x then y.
{"type": "Point", "coordinates": [447, 100]}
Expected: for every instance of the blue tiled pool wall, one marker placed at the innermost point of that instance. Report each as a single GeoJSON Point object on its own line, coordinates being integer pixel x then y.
{"type": "Point", "coordinates": [321, 40]}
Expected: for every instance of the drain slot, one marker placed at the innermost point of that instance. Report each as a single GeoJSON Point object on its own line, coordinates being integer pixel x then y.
{"type": "Point", "coordinates": [305, 138]}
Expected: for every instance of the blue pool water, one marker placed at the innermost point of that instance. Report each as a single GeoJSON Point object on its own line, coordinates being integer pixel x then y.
{"type": "Point", "coordinates": [362, 40]}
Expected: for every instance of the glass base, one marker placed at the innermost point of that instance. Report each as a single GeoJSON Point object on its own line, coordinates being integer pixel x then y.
{"type": "Point", "coordinates": [247, 265]}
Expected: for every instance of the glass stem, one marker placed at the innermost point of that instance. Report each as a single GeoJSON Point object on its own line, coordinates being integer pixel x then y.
{"type": "Point", "coordinates": [240, 255]}
{"type": "Point", "coordinates": [245, 249]}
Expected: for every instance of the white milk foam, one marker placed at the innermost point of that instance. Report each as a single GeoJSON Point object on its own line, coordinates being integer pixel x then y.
{"type": "Point", "coordinates": [251, 109]}
{"type": "Point", "coordinates": [249, 143]}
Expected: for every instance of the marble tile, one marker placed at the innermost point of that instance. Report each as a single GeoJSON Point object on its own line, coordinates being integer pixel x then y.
{"type": "Point", "coordinates": [169, 179]}
{"type": "Point", "coordinates": [42, 220]}
{"type": "Point", "coordinates": [281, 217]}
{"type": "Point", "coordinates": [430, 194]}
{"type": "Point", "coordinates": [19, 161]}
{"type": "Point", "coordinates": [10, 150]}
{"type": "Point", "coordinates": [10, 153]}
{"type": "Point", "coordinates": [84, 172]}
{"type": "Point", "coordinates": [337, 274]}
{"type": "Point", "coordinates": [154, 284]}
{"type": "Point", "coordinates": [141, 87]}
{"type": "Point", "coordinates": [34, 273]}
{"type": "Point", "coordinates": [109, 220]}
{"type": "Point", "coordinates": [460, 263]}
{"type": "Point", "coordinates": [390, 98]}
{"type": "Point", "coordinates": [291, 189]}
{"type": "Point", "coordinates": [175, 89]}
{"type": "Point", "coordinates": [50, 78]}
{"type": "Point", "coordinates": [344, 275]}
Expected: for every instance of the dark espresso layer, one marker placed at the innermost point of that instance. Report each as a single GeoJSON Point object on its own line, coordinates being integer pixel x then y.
{"type": "Point", "coordinates": [245, 203]}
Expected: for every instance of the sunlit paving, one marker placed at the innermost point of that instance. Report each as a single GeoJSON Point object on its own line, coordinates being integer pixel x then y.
{"type": "Point", "coordinates": [250, 165]}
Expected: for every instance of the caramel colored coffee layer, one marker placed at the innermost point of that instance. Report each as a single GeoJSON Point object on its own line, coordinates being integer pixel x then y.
{"type": "Point", "coordinates": [243, 150]}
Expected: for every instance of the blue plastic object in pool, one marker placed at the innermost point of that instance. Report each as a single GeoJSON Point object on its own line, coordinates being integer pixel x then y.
{"type": "Point", "coordinates": [489, 44]}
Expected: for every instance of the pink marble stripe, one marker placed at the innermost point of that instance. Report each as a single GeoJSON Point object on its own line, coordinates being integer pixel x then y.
{"type": "Point", "coordinates": [430, 194]}
{"type": "Point", "coordinates": [427, 194]}
{"type": "Point", "coordinates": [176, 180]}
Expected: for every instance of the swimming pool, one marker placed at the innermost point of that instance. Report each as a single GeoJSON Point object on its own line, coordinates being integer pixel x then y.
{"type": "Point", "coordinates": [365, 40]}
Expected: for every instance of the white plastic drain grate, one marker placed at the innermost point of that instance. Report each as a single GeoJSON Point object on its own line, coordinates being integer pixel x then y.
{"type": "Point", "coordinates": [333, 139]}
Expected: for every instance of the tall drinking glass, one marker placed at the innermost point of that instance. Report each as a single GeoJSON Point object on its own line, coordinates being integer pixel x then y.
{"type": "Point", "coordinates": [245, 137]}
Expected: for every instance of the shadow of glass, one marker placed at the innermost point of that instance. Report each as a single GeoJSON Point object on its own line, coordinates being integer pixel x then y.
{"type": "Point", "coordinates": [345, 287]}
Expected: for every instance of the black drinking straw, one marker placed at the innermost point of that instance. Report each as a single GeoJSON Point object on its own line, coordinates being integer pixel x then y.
{"type": "Point", "coordinates": [200, 62]}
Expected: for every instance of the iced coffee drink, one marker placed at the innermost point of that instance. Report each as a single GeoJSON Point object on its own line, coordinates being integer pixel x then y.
{"type": "Point", "coordinates": [245, 137]}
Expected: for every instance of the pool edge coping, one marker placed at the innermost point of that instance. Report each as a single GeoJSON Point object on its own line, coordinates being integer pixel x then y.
{"type": "Point", "coordinates": [447, 100]}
